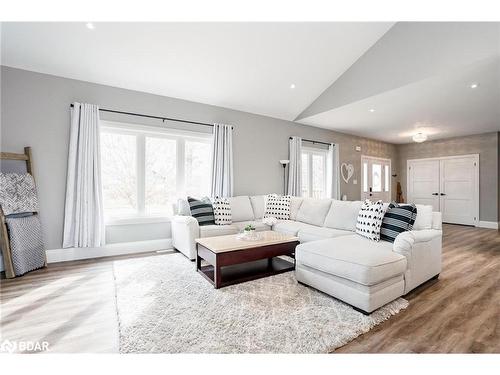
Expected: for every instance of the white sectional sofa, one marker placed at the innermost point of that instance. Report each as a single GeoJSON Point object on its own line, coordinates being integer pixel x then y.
{"type": "Point", "coordinates": [331, 256]}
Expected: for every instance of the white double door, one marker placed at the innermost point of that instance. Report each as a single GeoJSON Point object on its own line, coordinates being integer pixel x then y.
{"type": "Point", "coordinates": [449, 184]}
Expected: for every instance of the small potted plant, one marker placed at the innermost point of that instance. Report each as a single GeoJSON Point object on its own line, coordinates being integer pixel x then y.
{"type": "Point", "coordinates": [249, 230]}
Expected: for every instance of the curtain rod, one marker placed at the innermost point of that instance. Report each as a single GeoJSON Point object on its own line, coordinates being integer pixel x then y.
{"type": "Point", "coordinates": [313, 142]}
{"type": "Point", "coordinates": [156, 117]}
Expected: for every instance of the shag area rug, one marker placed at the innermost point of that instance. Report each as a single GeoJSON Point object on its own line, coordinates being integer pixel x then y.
{"type": "Point", "coordinates": [165, 306]}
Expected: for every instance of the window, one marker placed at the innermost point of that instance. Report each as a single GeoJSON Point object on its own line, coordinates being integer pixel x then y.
{"type": "Point", "coordinates": [145, 170]}
{"type": "Point", "coordinates": [314, 172]}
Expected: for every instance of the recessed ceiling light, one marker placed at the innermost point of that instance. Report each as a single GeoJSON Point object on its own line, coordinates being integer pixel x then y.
{"type": "Point", "coordinates": [420, 137]}
{"type": "Point", "coordinates": [372, 110]}
{"type": "Point", "coordinates": [90, 26]}
{"type": "Point", "coordinates": [292, 86]}
{"type": "Point", "coordinates": [474, 85]}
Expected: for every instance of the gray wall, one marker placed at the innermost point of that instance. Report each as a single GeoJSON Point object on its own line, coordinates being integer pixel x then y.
{"type": "Point", "coordinates": [486, 145]}
{"type": "Point", "coordinates": [35, 112]}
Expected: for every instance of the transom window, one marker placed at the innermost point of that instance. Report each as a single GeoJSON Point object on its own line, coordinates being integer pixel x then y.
{"type": "Point", "coordinates": [314, 172]}
{"type": "Point", "coordinates": [145, 170]}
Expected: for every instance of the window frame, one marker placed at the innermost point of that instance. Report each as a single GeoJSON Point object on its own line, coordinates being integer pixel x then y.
{"type": "Point", "coordinates": [141, 132]}
{"type": "Point", "coordinates": [310, 151]}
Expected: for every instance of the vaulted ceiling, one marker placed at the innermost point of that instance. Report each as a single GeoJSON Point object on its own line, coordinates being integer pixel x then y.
{"type": "Point", "coordinates": [380, 80]}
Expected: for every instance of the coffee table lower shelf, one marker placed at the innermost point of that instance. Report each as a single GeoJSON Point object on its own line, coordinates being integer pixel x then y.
{"type": "Point", "coordinates": [239, 273]}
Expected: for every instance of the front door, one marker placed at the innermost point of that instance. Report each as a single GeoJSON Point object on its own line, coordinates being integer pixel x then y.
{"type": "Point", "coordinates": [375, 178]}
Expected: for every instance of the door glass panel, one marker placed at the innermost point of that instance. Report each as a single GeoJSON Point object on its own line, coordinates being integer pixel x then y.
{"type": "Point", "coordinates": [377, 177]}
{"type": "Point", "coordinates": [365, 177]}
{"type": "Point", "coordinates": [386, 183]}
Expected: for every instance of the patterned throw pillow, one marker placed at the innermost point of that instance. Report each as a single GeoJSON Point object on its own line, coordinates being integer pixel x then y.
{"type": "Point", "coordinates": [222, 211]}
{"type": "Point", "coordinates": [370, 219]}
{"type": "Point", "coordinates": [278, 206]}
{"type": "Point", "coordinates": [202, 210]}
{"type": "Point", "coordinates": [397, 219]}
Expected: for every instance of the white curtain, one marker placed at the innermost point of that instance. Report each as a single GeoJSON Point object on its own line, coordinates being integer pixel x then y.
{"type": "Point", "coordinates": [295, 167]}
{"type": "Point", "coordinates": [83, 215]}
{"type": "Point", "coordinates": [333, 172]}
{"type": "Point", "coordinates": [222, 161]}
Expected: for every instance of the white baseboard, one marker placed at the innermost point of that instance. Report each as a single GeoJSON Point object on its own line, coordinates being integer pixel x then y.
{"type": "Point", "coordinates": [488, 224]}
{"type": "Point", "coordinates": [66, 255]}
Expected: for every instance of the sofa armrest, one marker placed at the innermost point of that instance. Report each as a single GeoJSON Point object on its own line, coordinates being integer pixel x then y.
{"type": "Point", "coordinates": [185, 230]}
{"type": "Point", "coordinates": [422, 249]}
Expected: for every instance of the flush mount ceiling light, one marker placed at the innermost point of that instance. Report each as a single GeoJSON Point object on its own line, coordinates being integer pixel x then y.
{"type": "Point", "coordinates": [420, 137]}
{"type": "Point", "coordinates": [292, 86]}
{"type": "Point", "coordinates": [90, 26]}
{"type": "Point", "coordinates": [474, 85]}
{"type": "Point", "coordinates": [371, 110]}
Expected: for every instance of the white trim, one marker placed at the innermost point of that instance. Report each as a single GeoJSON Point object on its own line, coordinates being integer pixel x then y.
{"type": "Point", "coordinates": [488, 224]}
{"type": "Point", "coordinates": [123, 127]}
{"type": "Point", "coordinates": [443, 157]}
{"type": "Point", "coordinates": [66, 255]}
{"type": "Point", "coordinates": [137, 220]}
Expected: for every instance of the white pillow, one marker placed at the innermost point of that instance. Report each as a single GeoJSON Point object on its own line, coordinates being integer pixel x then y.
{"type": "Point", "coordinates": [222, 211]}
{"type": "Point", "coordinates": [370, 219]}
{"type": "Point", "coordinates": [259, 205]}
{"type": "Point", "coordinates": [424, 217]}
{"type": "Point", "coordinates": [313, 211]}
{"type": "Point", "coordinates": [343, 215]}
{"type": "Point", "coordinates": [295, 203]}
{"type": "Point", "coordinates": [278, 207]}
{"type": "Point", "coordinates": [241, 208]}
{"type": "Point", "coordinates": [183, 208]}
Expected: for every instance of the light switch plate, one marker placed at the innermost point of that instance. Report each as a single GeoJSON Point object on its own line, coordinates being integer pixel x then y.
{"type": "Point", "coordinates": [355, 182]}
{"type": "Point", "coordinates": [358, 148]}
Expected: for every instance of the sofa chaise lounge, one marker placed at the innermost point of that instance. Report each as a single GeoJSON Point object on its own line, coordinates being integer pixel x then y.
{"type": "Point", "coordinates": [331, 256]}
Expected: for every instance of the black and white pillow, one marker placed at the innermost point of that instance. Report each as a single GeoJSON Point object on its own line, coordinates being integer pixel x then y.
{"type": "Point", "coordinates": [202, 210]}
{"type": "Point", "coordinates": [278, 206]}
{"type": "Point", "coordinates": [370, 220]}
{"type": "Point", "coordinates": [397, 219]}
{"type": "Point", "coordinates": [222, 211]}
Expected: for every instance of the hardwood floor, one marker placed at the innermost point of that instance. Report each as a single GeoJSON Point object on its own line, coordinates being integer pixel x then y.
{"type": "Point", "coordinates": [72, 305]}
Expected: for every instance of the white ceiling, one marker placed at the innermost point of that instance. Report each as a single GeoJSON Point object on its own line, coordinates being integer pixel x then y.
{"type": "Point", "coordinates": [441, 106]}
{"type": "Point", "coordinates": [243, 66]}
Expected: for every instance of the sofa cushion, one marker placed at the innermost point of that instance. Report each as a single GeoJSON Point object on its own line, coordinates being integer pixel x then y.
{"type": "Point", "coordinates": [259, 225]}
{"type": "Point", "coordinates": [352, 257]}
{"type": "Point", "coordinates": [222, 211]}
{"type": "Point", "coordinates": [370, 219]}
{"type": "Point", "coordinates": [424, 217]}
{"type": "Point", "coordinates": [202, 210]}
{"type": "Point", "coordinates": [258, 205]}
{"type": "Point", "coordinates": [313, 211]}
{"type": "Point", "coordinates": [397, 219]}
{"type": "Point", "coordinates": [343, 215]}
{"type": "Point", "coordinates": [241, 208]}
{"type": "Point", "coordinates": [295, 203]}
{"type": "Point", "coordinates": [290, 227]}
{"type": "Point", "coordinates": [319, 233]}
{"type": "Point", "coordinates": [278, 206]}
{"type": "Point", "coordinates": [217, 230]}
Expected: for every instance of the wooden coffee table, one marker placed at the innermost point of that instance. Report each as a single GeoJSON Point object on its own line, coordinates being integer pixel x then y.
{"type": "Point", "coordinates": [232, 260]}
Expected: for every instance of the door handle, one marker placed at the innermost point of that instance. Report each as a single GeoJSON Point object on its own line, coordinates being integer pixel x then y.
{"type": "Point", "coordinates": [435, 193]}
{"type": "Point", "coordinates": [442, 194]}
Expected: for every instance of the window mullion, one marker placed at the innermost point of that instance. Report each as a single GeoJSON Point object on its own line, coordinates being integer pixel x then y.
{"type": "Point", "coordinates": [311, 171]}
{"type": "Point", "coordinates": [141, 174]}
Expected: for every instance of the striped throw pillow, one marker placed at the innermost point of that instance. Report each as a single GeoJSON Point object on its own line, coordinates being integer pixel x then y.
{"type": "Point", "coordinates": [397, 219]}
{"type": "Point", "coordinates": [202, 210]}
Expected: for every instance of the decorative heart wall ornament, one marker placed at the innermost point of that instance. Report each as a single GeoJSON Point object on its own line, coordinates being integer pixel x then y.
{"type": "Point", "coordinates": [347, 171]}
